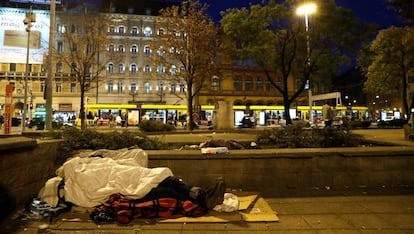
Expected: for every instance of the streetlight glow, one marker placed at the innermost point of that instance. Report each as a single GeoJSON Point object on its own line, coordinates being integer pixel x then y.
{"type": "Point", "coordinates": [306, 10]}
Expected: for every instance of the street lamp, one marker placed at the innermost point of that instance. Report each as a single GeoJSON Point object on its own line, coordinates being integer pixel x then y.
{"type": "Point", "coordinates": [306, 10]}
{"type": "Point", "coordinates": [28, 20]}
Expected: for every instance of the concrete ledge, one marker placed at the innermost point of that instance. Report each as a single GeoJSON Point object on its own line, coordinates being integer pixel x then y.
{"type": "Point", "coordinates": [297, 172]}
{"type": "Point", "coordinates": [10, 143]}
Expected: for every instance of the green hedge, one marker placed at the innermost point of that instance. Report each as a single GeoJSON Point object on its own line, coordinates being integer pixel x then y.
{"type": "Point", "coordinates": [296, 136]}
{"type": "Point", "coordinates": [155, 126]}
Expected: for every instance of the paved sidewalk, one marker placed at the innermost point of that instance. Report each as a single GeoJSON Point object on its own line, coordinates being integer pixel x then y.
{"type": "Point", "coordinates": [338, 214]}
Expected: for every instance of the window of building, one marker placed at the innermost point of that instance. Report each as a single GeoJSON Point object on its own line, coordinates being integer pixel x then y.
{"type": "Point", "coordinates": [73, 87]}
{"type": "Point", "coordinates": [121, 30]}
{"type": "Point", "coordinates": [120, 87]}
{"type": "Point", "coordinates": [173, 70]}
{"type": "Point", "coordinates": [61, 28]}
{"type": "Point", "coordinates": [160, 88]}
{"type": "Point", "coordinates": [121, 49]}
{"type": "Point", "coordinates": [120, 68]}
{"type": "Point", "coordinates": [147, 68]}
{"type": "Point", "coordinates": [173, 87]}
{"type": "Point", "coordinates": [133, 87]}
{"type": "Point", "coordinates": [237, 84]}
{"type": "Point", "coordinates": [160, 51]}
{"type": "Point", "coordinates": [111, 48]}
{"type": "Point", "coordinates": [182, 88]}
{"type": "Point", "coordinates": [147, 31]}
{"type": "Point", "coordinates": [147, 87]}
{"type": "Point", "coordinates": [60, 46]}
{"type": "Point", "coordinates": [147, 50]}
{"type": "Point", "coordinates": [110, 68]}
{"type": "Point", "coordinates": [110, 87]}
{"type": "Point", "coordinates": [134, 49]}
{"type": "Point", "coordinates": [134, 31]}
{"type": "Point", "coordinates": [161, 31]}
{"type": "Point", "coordinates": [59, 67]}
{"type": "Point", "coordinates": [58, 88]}
{"type": "Point", "coordinates": [89, 49]}
{"type": "Point", "coordinates": [248, 83]}
{"type": "Point", "coordinates": [215, 83]}
{"type": "Point", "coordinates": [112, 30]}
{"type": "Point", "coordinates": [160, 69]}
{"type": "Point", "coordinates": [133, 68]}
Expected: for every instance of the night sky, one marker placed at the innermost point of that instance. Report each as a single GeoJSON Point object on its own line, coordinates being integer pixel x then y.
{"type": "Point", "coordinates": [372, 11]}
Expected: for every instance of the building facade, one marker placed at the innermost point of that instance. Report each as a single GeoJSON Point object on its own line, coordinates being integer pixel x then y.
{"type": "Point", "coordinates": [132, 83]}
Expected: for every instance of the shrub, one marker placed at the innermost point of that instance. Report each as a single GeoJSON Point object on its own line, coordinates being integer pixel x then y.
{"type": "Point", "coordinates": [155, 126]}
{"type": "Point", "coordinates": [76, 139]}
{"type": "Point", "coordinates": [295, 136]}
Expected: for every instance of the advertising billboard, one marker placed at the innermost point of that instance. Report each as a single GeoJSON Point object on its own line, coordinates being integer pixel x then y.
{"type": "Point", "coordinates": [13, 36]}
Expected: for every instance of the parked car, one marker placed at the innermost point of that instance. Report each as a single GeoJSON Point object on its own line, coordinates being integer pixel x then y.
{"type": "Point", "coordinates": [345, 122]}
{"type": "Point", "coordinates": [392, 123]}
{"type": "Point", "coordinates": [38, 123]}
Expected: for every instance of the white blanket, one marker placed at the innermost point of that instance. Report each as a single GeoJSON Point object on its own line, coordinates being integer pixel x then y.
{"type": "Point", "coordinates": [90, 181]}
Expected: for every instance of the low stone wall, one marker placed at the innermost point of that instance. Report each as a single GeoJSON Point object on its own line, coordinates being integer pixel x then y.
{"type": "Point", "coordinates": [25, 166]}
{"type": "Point", "coordinates": [297, 172]}
{"type": "Point", "coordinates": [279, 172]}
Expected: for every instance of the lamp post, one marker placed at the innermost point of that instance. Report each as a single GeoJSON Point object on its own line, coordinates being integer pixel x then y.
{"type": "Point", "coordinates": [28, 20]}
{"type": "Point", "coordinates": [306, 10]}
{"type": "Point", "coordinates": [48, 88]}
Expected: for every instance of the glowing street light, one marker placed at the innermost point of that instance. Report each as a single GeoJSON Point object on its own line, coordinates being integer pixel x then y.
{"type": "Point", "coordinates": [306, 10]}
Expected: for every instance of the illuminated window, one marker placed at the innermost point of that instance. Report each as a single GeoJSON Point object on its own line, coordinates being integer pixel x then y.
{"type": "Point", "coordinates": [173, 70]}
{"type": "Point", "coordinates": [110, 87]}
{"type": "Point", "coordinates": [110, 68]}
{"type": "Point", "coordinates": [59, 67]}
{"type": "Point", "coordinates": [121, 30]}
{"type": "Point", "coordinates": [173, 88]}
{"type": "Point", "coordinates": [60, 46]}
{"type": "Point", "coordinates": [215, 83]}
{"type": "Point", "coordinates": [134, 31]}
{"type": "Point", "coordinates": [120, 68]}
{"type": "Point", "coordinates": [160, 69]}
{"type": "Point", "coordinates": [133, 68]}
{"type": "Point", "coordinates": [111, 48]}
{"type": "Point", "coordinates": [58, 88]}
{"type": "Point", "coordinates": [182, 88]}
{"type": "Point", "coordinates": [133, 86]}
{"type": "Point", "coordinates": [147, 31]}
{"type": "Point", "coordinates": [147, 87]}
{"type": "Point", "coordinates": [120, 87]}
{"type": "Point", "coordinates": [73, 87]}
{"type": "Point", "coordinates": [147, 50]}
{"type": "Point", "coordinates": [112, 30]}
{"type": "Point", "coordinates": [134, 49]}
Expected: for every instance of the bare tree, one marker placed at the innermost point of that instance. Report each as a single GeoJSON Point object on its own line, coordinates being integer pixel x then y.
{"type": "Point", "coordinates": [83, 50]}
{"type": "Point", "coordinates": [187, 46]}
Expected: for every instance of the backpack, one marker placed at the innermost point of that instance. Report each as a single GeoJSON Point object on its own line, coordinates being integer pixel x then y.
{"type": "Point", "coordinates": [124, 210]}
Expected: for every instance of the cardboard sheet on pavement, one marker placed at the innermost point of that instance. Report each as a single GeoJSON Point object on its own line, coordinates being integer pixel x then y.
{"type": "Point", "coordinates": [252, 208]}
